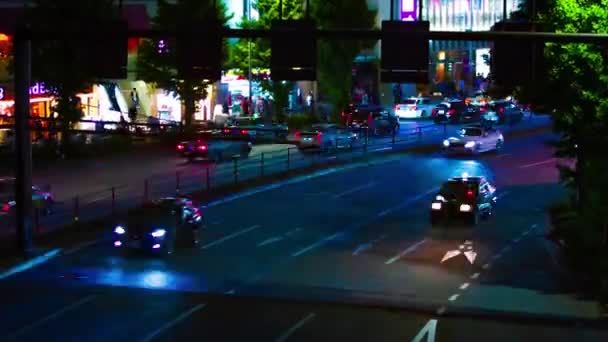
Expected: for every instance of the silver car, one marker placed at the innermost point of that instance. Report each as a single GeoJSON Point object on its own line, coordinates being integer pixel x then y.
{"type": "Point", "coordinates": [475, 139]}
{"type": "Point", "coordinates": [326, 137]}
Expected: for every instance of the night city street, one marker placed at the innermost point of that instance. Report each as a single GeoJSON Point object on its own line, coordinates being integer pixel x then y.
{"type": "Point", "coordinates": [360, 236]}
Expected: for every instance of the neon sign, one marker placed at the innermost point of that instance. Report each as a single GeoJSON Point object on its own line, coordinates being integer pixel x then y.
{"type": "Point", "coordinates": [38, 89]}
{"type": "Point", "coordinates": [408, 10]}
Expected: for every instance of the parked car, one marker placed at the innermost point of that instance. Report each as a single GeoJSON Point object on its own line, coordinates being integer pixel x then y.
{"type": "Point", "coordinates": [450, 111]}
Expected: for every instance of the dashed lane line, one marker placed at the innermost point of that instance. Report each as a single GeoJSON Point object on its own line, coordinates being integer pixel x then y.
{"type": "Point", "coordinates": [299, 324]}
{"type": "Point", "coordinates": [229, 237]}
{"type": "Point", "coordinates": [170, 324]}
{"type": "Point", "coordinates": [405, 252]}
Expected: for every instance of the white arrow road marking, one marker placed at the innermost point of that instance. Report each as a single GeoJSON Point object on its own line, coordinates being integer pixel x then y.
{"type": "Point", "coordinates": [470, 256]}
{"type": "Point", "coordinates": [428, 330]}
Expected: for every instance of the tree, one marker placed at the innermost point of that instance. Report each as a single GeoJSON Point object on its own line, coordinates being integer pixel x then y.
{"type": "Point", "coordinates": [157, 59]}
{"type": "Point", "coordinates": [336, 57]}
{"type": "Point", "coordinates": [268, 11]}
{"type": "Point", "coordinates": [576, 92]}
{"type": "Point", "coordinates": [60, 64]}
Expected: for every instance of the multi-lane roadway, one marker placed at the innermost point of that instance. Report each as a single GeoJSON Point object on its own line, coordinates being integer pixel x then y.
{"type": "Point", "coordinates": [349, 256]}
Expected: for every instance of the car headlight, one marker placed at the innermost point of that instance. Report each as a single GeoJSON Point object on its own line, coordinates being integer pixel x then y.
{"type": "Point", "coordinates": [440, 198]}
{"type": "Point", "coordinates": [446, 143]}
{"type": "Point", "coordinates": [470, 144]}
{"type": "Point", "coordinates": [465, 207]}
{"type": "Point", "coordinates": [158, 233]}
{"type": "Point", "coordinates": [119, 230]}
{"type": "Point", "coordinates": [436, 206]}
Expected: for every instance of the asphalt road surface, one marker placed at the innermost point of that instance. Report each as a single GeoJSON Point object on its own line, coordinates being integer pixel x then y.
{"type": "Point", "coordinates": [349, 256]}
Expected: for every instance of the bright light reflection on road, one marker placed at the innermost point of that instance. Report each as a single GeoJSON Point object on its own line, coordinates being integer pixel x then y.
{"type": "Point", "coordinates": [155, 279]}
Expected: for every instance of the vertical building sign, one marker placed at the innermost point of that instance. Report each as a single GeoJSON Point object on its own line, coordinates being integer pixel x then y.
{"type": "Point", "coordinates": [408, 10]}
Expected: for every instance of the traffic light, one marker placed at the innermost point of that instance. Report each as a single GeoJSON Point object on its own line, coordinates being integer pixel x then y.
{"type": "Point", "coordinates": [293, 50]}
{"type": "Point", "coordinates": [516, 62]}
{"type": "Point", "coordinates": [199, 51]}
{"type": "Point", "coordinates": [404, 59]}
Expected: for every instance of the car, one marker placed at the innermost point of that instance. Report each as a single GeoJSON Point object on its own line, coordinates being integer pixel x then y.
{"type": "Point", "coordinates": [450, 111]}
{"type": "Point", "coordinates": [372, 120]}
{"type": "Point", "coordinates": [415, 107]}
{"type": "Point", "coordinates": [502, 111]}
{"type": "Point", "coordinates": [327, 137]}
{"type": "Point", "coordinates": [475, 139]}
{"type": "Point", "coordinates": [465, 199]}
{"type": "Point", "coordinates": [42, 200]}
{"type": "Point", "coordinates": [209, 145]}
{"type": "Point", "coordinates": [159, 226]}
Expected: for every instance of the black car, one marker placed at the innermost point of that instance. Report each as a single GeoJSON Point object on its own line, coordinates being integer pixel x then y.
{"type": "Point", "coordinates": [451, 111]}
{"type": "Point", "coordinates": [159, 226]}
{"type": "Point", "coordinates": [373, 119]}
{"type": "Point", "coordinates": [210, 145]}
{"type": "Point", "coordinates": [465, 199]}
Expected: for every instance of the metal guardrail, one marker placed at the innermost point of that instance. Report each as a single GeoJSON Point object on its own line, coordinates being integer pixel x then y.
{"type": "Point", "coordinates": [112, 200]}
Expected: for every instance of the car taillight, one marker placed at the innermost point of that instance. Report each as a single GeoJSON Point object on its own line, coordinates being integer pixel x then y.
{"type": "Point", "coordinates": [343, 112]}
{"type": "Point", "coordinates": [202, 147]}
{"type": "Point", "coordinates": [434, 112]}
{"type": "Point", "coordinates": [226, 131]}
{"type": "Point", "coordinates": [414, 108]}
{"type": "Point", "coordinates": [180, 147]}
{"type": "Point", "coordinates": [482, 109]}
{"type": "Point", "coordinates": [6, 207]}
{"type": "Point", "coordinates": [501, 110]}
{"type": "Point", "coordinates": [452, 111]}
{"type": "Point", "coordinates": [470, 193]}
{"type": "Point", "coordinates": [319, 136]}
{"type": "Point", "coordinates": [244, 131]}
{"type": "Point", "coordinates": [297, 135]}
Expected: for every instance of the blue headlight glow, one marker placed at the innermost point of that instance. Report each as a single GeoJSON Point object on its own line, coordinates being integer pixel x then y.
{"type": "Point", "coordinates": [446, 143]}
{"type": "Point", "coordinates": [469, 144]}
{"type": "Point", "coordinates": [159, 233]}
{"type": "Point", "coordinates": [119, 230]}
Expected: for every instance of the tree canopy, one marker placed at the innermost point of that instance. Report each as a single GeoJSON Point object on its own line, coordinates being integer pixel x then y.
{"type": "Point", "coordinates": [60, 64]}
{"type": "Point", "coordinates": [337, 57]}
{"type": "Point", "coordinates": [157, 59]}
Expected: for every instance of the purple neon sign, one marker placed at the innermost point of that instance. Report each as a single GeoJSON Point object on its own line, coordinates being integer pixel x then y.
{"type": "Point", "coordinates": [408, 10]}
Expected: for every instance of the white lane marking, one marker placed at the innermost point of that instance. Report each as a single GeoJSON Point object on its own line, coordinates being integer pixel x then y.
{"type": "Point", "coordinates": [516, 240]}
{"type": "Point", "coordinates": [270, 241]}
{"type": "Point", "coordinates": [453, 297]}
{"type": "Point", "coordinates": [428, 330]}
{"type": "Point", "coordinates": [475, 275]}
{"type": "Point", "coordinates": [464, 286]}
{"type": "Point", "coordinates": [231, 236]}
{"type": "Point", "coordinates": [548, 161]}
{"type": "Point", "coordinates": [331, 158]}
{"type": "Point", "coordinates": [506, 249]}
{"type": "Point", "coordinates": [382, 149]}
{"type": "Point", "coordinates": [363, 247]}
{"type": "Point", "coordinates": [486, 266]}
{"type": "Point", "coordinates": [497, 256]}
{"type": "Point", "coordinates": [525, 233]}
{"type": "Point", "coordinates": [293, 231]}
{"type": "Point", "coordinates": [30, 263]}
{"type": "Point", "coordinates": [230, 292]}
{"type": "Point", "coordinates": [316, 244]}
{"type": "Point", "coordinates": [173, 322]}
{"type": "Point", "coordinates": [295, 327]}
{"type": "Point", "coordinates": [503, 155]}
{"type": "Point", "coordinates": [534, 226]}
{"type": "Point", "coordinates": [383, 213]}
{"type": "Point", "coordinates": [405, 252]}
{"type": "Point", "coordinates": [441, 310]}
{"type": "Point", "coordinates": [50, 317]}
{"type": "Point", "coordinates": [355, 189]}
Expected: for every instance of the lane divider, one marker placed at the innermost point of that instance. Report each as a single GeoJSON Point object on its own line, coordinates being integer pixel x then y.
{"type": "Point", "coordinates": [31, 263]}
{"type": "Point", "coordinates": [229, 237]}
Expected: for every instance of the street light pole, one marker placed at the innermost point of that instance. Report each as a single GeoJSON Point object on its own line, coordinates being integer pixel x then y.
{"type": "Point", "coordinates": [23, 151]}
{"type": "Point", "coordinates": [250, 100]}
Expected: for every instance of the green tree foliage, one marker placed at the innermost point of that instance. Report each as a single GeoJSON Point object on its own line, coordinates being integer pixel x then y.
{"type": "Point", "coordinates": [268, 11]}
{"type": "Point", "coordinates": [158, 63]}
{"type": "Point", "coordinates": [576, 92]}
{"type": "Point", "coordinates": [59, 64]}
{"type": "Point", "coordinates": [336, 57]}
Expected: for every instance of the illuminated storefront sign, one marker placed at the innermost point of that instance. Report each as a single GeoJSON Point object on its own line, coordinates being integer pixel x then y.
{"type": "Point", "coordinates": [408, 10]}
{"type": "Point", "coordinates": [37, 90]}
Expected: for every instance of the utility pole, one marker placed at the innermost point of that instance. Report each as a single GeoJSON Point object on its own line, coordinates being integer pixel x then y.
{"type": "Point", "coordinates": [23, 153]}
{"type": "Point", "coordinates": [280, 9]}
{"type": "Point", "coordinates": [250, 100]}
